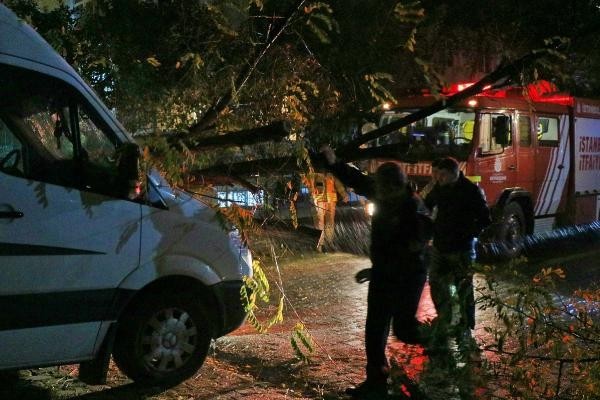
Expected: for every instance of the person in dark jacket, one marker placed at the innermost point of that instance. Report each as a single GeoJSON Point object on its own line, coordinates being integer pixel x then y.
{"type": "Point", "coordinates": [462, 214]}
{"type": "Point", "coordinates": [398, 273]}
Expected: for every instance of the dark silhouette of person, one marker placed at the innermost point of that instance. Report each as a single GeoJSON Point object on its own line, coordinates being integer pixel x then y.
{"type": "Point", "coordinates": [398, 273]}
{"type": "Point", "coordinates": [461, 215]}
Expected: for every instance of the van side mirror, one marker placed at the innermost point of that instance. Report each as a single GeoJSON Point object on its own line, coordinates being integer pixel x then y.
{"type": "Point", "coordinates": [501, 130]}
{"type": "Point", "coordinates": [129, 177]}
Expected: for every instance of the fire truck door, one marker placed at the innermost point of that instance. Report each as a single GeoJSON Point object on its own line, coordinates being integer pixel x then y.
{"type": "Point", "coordinates": [526, 154]}
{"type": "Point", "coordinates": [551, 163]}
{"type": "Point", "coordinates": [496, 159]}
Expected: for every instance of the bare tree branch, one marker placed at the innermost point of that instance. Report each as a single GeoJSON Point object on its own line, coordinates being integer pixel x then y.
{"type": "Point", "coordinates": [210, 116]}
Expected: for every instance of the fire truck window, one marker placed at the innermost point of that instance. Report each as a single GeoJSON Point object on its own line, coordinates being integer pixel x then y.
{"type": "Point", "coordinates": [394, 136]}
{"type": "Point", "coordinates": [487, 142]}
{"type": "Point", "coordinates": [524, 131]}
{"type": "Point", "coordinates": [547, 131]}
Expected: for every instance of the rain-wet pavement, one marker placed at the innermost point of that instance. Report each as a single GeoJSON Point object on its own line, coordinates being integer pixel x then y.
{"type": "Point", "coordinates": [321, 293]}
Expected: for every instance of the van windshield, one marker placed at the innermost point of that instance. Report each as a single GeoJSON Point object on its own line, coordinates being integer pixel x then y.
{"type": "Point", "coordinates": [447, 132]}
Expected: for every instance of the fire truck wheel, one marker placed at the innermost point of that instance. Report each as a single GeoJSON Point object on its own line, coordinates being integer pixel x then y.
{"type": "Point", "coordinates": [513, 225]}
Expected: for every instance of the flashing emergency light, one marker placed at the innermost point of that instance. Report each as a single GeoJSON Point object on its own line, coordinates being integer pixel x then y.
{"type": "Point", "coordinates": [462, 86]}
{"type": "Point", "coordinates": [459, 87]}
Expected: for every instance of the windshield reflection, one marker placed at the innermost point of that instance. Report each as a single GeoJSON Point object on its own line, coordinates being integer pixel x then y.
{"type": "Point", "coordinates": [447, 132]}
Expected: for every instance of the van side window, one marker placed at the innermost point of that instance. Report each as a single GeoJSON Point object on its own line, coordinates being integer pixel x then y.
{"type": "Point", "coordinates": [49, 125]}
{"type": "Point", "coordinates": [38, 118]}
{"type": "Point", "coordinates": [524, 131]}
{"type": "Point", "coordinates": [487, 141]}
{"type": "Point", "coordinates": [547, 131]}
{"type": "Point", "coordinates": [62, 141]}
{"type": "Point", "coordinates": [11, 151]}
{"type": "Point", "coordinates": [97, 147]}
{"type": "Point", "coordinates": [99, 158]}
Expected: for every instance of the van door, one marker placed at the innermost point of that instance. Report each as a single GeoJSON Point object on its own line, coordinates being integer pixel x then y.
{"type": "Point", "coordinates": [496, 161]}
{"type": "Point", "coordinates": [67, 235]}
{"type": "Point", "coordinates": [551, 163]}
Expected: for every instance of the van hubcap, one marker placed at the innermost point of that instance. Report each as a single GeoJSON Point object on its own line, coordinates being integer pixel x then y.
{"type": "Point", "coordinates": [168, 340]}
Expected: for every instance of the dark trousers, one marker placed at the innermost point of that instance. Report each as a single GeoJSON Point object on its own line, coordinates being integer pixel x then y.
{"type": "Point", "coordinates": [391, 302]}
{"type": "Point", "coordinates": [445, 270]}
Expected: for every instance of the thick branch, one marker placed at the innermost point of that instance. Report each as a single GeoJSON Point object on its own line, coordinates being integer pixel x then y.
{"type": "Point", "coordinates": [290, 164]}
{"type": "Point", "coordinates": [225, 180]}
{"type": "Point", "coordinates": [245, 168]}
{"type": "Point", "coordinates": [272, 132]}
{"type": "Point", "coordinates": [352, 152]}
{"type": "Point", "coordinates": [503, 72]}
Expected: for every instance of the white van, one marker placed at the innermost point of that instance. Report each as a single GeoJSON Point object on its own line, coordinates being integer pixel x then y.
{"type": "Point", "coordinates": [88, 267]}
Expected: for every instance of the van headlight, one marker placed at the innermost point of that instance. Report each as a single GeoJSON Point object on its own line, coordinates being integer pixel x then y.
{"type": "Point", "coordinates": [244, 254]}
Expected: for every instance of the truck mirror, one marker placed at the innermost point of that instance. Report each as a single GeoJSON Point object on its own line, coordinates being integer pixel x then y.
{"type": "Point", "coordinates": [501, 130]}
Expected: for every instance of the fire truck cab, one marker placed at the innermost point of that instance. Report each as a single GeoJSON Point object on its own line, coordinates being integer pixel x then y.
{"type": "Point", "coordinates": [534, 151]}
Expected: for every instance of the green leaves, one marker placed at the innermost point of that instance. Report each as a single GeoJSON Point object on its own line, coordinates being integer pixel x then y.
{"type": "Point", "coordinates": [194, 59]}
{"type": "Point", "coordinates": [412, 12]}
{"type": "Point", "coordinates": [320, 20]}
{"type": "Point", "coordinates": [538, 329]}
{"type": "Point", "coordinates": [255, 291]}
{"type": "Point", "coordinates": [435, 81]}
{"type": "Point", "coordinates": [302, 342]}
{"type": "Point", "coordinates": [153, 61]}
{"type": "Point", "coordinates": [378, 88]}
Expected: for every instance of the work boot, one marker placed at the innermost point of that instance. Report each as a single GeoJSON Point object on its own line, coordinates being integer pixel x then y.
{"type": "Point", "coordinates": [368, 391]}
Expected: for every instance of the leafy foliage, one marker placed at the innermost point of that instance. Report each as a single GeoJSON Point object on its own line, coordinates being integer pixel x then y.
{"type": "Point", "coordinates": [377, 89]}
{"type": "Point", "coordinates": [254, 291]}
{"type": "Point", "coordinates": [302, 342]}
{"type": "Point", "coordinates": [412, 14]}
{"type": "Point", "coordinates": [542, 336]}
{"type": "Point", "coordinates": [320, 20]}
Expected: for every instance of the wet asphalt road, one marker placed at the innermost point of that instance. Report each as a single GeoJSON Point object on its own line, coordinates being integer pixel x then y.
{"type": "Point", "coordinates": [321, 293]}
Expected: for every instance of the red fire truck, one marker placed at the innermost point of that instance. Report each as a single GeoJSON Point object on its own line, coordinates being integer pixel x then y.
{"type": "Point", "coordinates": [534, 151]}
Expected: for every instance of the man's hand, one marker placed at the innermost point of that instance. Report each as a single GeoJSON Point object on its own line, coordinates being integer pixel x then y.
{"type": "Point", "coordinates": [363, 275]}
{"type": "Point", "coordinates": [328, 153]}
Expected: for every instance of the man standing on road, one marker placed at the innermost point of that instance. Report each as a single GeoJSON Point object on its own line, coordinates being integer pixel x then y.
{"type": "Point", "coordinates": [398, 273]}
{"type": "Point", "coordinates": [462, 214]}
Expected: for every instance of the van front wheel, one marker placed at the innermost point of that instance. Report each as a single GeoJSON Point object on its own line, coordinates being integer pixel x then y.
{"type": "Point", "coordinates": [163, 339]}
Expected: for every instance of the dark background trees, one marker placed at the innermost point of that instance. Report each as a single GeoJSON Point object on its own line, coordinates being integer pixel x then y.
{"type": "Point", "coordinates": [163, 64]}
{"type": "Point", "coordinates": [471, 37]}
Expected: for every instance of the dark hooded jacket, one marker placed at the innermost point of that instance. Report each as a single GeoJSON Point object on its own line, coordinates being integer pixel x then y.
{"type": "Point", "coordinates": [398, 231]}
{"type": "Point", "coordinates": [462, 214]}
